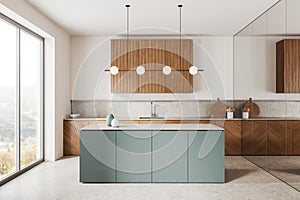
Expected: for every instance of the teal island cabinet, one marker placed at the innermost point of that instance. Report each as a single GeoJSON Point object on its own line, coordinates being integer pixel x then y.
{"type": "Point", "coordinates": [161, 153]}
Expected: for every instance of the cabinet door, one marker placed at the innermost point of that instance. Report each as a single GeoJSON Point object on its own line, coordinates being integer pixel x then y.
{"type": "Point", "coordinates": [247, 129]}
{"type": "Point", "coordinates": [259, 138]}
{"type": "Point", "coordinates": [232, 136]}
{"type": "Point", "coordinates": [71, 136]}
{"type": "Point", "coordinates": [97, 156]}
{"type": "Point", "coordinates": [169, 156]}
{"type": "Point", "coordinates": [133, 156]}
{"type": "Point", "coordinates": [277, 133]}
{"type": "Point", "coordinates": [206, 156]}
{"type": "Point", "coordinates": [293, 138]}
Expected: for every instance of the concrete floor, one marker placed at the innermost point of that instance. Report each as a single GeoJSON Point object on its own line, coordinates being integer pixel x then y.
{"type": "Point", "coordinates": [59, 180]}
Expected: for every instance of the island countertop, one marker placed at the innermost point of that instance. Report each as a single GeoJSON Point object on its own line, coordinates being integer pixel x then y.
{"type": "Point", "coordinates": [187, 127]}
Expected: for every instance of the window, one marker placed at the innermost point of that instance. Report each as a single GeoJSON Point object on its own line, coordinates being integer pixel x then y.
{"type": "Point", "coordinates": [21, 99]}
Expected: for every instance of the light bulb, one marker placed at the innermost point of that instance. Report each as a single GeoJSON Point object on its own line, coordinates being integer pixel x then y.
{"type": "Point", "coordinates": [114, 70]}
{"type": "Point", "coordinates": [193, 70]}
{"type": "Point", "coordinates": [167, 70]}
{"type": "Point", "coordinates": [140, 70]}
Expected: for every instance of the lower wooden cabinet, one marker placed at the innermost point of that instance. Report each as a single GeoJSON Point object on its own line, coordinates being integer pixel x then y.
{"type": "Point", "coordinates": [277, 138]}
{"type": "Point", "coordinates": [233, 140]}
{"type": "Point", "coordinates": [254, 137]}
{"type": "Point", "coordinates": [293, 138]}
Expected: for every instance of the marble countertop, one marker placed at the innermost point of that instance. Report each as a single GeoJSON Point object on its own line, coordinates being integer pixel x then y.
{"type": "Point", "coordinates": [186, 127]}
{"type": "Point", "coordinates": [187, 118]}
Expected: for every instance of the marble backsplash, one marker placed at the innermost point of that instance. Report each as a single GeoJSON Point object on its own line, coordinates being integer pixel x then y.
{"type": "Point", "coordinates": [179, 109]}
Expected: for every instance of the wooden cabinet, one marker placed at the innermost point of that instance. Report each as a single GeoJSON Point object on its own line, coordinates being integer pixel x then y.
{"type": "Point", "coordinates": [277, 138]}
{"type": "Point", "coordinates": [288, 66]}
{"type": "Point", "coordinates": [254, 137]}
{"type": "Point", "coordinates": [293, 138]}
{"type": "Point", "coordinates": [153, 55]}
{"type": "Point", "coordinates": [233, 138]}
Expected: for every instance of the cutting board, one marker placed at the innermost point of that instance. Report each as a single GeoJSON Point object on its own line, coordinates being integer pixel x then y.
{"type": "Point", "coordinates": [218, 109]}
{"type": "Point", "coordinates": [254, 109]}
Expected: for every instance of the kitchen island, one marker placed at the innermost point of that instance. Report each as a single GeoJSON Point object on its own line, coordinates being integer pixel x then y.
{"type": "Point", "coordinates": [152, 153]}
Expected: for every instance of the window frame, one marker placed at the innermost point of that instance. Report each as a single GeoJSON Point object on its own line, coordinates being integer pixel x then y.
{"type": "Point", "coordinates": [20, 171]}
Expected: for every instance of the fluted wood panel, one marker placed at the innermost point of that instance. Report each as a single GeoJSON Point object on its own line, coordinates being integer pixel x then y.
{"type": "Point", "coordinates": [277, 138]}
{"type": "Point", "coordinates": [288, 66]}
{"type": "Point", "coordinates": [179, 59]}
{"type": "Point", "coordinates": [120, 49]}
{"type": "Point", "coordinates": [152, 82]}
{"type": "Point", "coordinates": [153, 55]}
{"type": "Point", "coordinates": [233, 138]}
{"type": "Point", "coordinates": [179, 82]}
{"type": "Point", "coordinates": [125, 82]}
{"type": "Point", "coordinates": [72, 135]}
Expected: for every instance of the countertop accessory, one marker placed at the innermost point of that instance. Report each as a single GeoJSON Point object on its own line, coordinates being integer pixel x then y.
{"type": "Point", "coordinates": [254, 109]}
{"type": "Point", "coordinates": [74, 115]}
{"type": "Point", "coordinates": [115, 123]}
{"type": "Point", "coordinates": [245, 114]}
{"type": "Point", "coordinates": [109, 118]}
{"type": "Point", "coordinates": [218, 110]}
{"type": "Point", "coordinates": [230, 113]}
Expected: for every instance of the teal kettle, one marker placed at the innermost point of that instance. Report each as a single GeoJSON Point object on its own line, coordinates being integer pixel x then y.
{"type": "Point", "coordinates": [109, 118]}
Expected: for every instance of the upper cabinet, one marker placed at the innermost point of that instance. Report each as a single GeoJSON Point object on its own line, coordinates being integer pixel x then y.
{"type": "Point", "coordinates": [153, 55]}
{"type": "Point", "coordinates": [288, 66]}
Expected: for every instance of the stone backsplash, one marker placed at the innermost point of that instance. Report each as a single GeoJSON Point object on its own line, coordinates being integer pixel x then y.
{"type": "Point", "coordinates": [179, 109]}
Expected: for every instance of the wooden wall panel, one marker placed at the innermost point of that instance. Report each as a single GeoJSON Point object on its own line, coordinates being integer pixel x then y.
{"type": "Point", "coordinates": [125, 82]}
{"type": "Point", "coordinates": [119, 54]}
{"type": "Point", "coordinates": [152, 82]}
{"type": "Point", "coordinates": [179, 82]}
{"type": "Point", "coordinates": [173, 54]}
{"type": "Point", "coordinates": [277, 138]}
{"type": "Point", "coordinates": [152, 54]}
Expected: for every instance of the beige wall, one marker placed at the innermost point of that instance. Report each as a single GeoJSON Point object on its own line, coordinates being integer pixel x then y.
{"type": "Point", "coordinates": [57, 70]}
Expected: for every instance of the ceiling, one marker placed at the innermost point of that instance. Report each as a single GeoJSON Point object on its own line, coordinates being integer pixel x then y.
{"type": "Point", "coordinates": [108, 17]}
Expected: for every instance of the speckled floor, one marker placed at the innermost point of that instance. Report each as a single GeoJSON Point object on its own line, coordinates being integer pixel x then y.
{"type": "Point", "coordinates": [59, 180]}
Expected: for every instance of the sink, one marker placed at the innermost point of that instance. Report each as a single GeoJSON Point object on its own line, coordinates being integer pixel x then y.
{"type": "Point", "coordinates": [151, 118]}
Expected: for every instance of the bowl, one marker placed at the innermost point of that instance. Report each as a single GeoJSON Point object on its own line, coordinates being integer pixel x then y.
{"type": "Point", "coordinates": [74, 115]}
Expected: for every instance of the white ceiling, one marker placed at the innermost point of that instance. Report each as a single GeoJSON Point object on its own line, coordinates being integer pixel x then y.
{"type": "Point", "coordinates": [108, 17]}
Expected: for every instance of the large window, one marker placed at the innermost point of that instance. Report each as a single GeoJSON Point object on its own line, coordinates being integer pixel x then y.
{"type": "Point", "coordinates": [21, 98]}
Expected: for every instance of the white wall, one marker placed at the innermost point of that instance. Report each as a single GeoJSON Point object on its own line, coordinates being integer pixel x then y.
{"type": "Point", "coordinates": [90, 55]}
{"type": "Point", "coordinates": [57, 70]}
{"type": "Point", "coordinates": [255, 52]}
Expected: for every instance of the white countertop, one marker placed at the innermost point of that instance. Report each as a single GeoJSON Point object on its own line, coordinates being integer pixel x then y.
{"type": "Point", "coordinates": [187, 127]}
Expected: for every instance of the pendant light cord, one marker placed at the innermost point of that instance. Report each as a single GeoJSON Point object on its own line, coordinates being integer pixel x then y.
{"type": "Point", "coordinates": [127, 31]}
{"type": "Point", "coordinates": [180, 40]}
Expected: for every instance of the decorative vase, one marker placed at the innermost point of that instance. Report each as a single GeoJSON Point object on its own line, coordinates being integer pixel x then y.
{"type": "Point", "coordinates": [115, 123]}
{"type": "Point", "coordinates": [109, 118]}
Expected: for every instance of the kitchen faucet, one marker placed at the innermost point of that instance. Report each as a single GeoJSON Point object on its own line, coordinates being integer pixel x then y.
{"type": "Point", "coordinates": [152, 110]}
